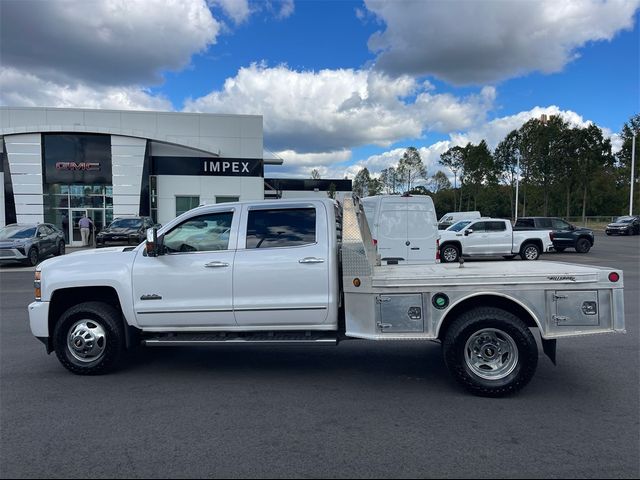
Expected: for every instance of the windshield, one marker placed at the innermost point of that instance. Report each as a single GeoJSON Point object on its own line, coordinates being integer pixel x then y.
{"type": "Point", "coordinates": [625, 220]}
{"type": "Point", "coordinates": [456, 227]}
{"type": "Point", "coordinates": [16, 233]}
{"type": "Point", "coordinates": [126, 223]}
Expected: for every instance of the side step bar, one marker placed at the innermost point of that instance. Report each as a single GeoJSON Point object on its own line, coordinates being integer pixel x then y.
{"type": "Point", "coordinates": [244, 338]}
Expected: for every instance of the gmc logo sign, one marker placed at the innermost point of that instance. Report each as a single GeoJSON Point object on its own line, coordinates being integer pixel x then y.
{"type": "Point", "coordinates": [82, 166]}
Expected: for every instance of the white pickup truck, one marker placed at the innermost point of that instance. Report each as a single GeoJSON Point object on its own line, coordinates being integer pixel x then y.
{"type": "Point", "coordinates": [307, 272]}
{"type": "Point", "coordinates": [492, 237]}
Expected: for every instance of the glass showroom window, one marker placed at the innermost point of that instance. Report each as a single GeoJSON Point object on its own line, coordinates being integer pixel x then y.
{"type": "Point", "coordinates": [184, 204]}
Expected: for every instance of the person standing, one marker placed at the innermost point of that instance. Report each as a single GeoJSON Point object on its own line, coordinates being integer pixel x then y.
{"type": "Point", "coordinates": [85, 229]}
{"type": "Point", "coordinates": [65, 227]}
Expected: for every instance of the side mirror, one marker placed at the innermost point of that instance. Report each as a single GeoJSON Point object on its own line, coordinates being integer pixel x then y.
{"type": "Point", "coordinates": [468, 232]}
{"type": "Point", "coordinates": [572, 227]}
{"type": "Point", "coordinates": [152, 247]}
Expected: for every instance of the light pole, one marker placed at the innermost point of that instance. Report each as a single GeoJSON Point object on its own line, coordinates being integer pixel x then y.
{"type": "Point", "coordinates": [517, 186]}
{"type": "Point", "coordinates": [633, 166]}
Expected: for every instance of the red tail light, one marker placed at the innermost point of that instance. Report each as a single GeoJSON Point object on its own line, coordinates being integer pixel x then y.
{"type": "Point", "coordinates": [375, 242]}
{"type": "Point", "coordinates": [551, 236]}
{"type": "Point", "coordinates": [614, 277]}
{"type": "Point", "coordinates": [438, 249]}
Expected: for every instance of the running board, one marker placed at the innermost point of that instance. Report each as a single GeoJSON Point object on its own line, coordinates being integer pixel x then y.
{"type": "Point", "coordinates": [244, 338]}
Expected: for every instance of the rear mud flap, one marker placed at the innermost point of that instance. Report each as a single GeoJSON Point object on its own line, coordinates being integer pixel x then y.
{"type": "Point", "coordinates": [549, 347]}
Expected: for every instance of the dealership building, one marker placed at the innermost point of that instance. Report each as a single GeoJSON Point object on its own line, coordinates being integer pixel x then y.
{"type": "Point", "coordinates": [65, 162]}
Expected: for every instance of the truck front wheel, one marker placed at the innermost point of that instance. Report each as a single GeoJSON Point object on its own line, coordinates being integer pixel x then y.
{"type": "Point", "coordinates": [490, 351]}
{"type": "Point", "coordinates": [89, 338]}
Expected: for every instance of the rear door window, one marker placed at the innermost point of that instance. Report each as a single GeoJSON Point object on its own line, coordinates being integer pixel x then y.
{"type": "Point", "coordinates": [496, 226]}
{"type": "Point", "coordinates": [286, 227]}
{"type": "Point", "coordinates": [525, 222]}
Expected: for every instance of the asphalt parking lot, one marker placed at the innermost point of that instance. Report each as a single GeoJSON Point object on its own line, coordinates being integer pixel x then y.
{"type": "Point", "coordinates": [361, 409]}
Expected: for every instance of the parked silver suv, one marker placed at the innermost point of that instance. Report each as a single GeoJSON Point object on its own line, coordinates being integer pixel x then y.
{"type": "Point", "coordinates": [30, 243]}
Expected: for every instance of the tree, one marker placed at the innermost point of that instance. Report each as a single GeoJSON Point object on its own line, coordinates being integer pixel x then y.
{"type": "Point", "coordinates": [315, 174]}
{"type": "Point", "coordinates": [389, 179]}
{"type": "Point", "coordinates": [361, 183]}
{"type": "Point", "coordinates": [364, 185]}
{"type": "Point", "coordinates": [506, 157]}
{"type": "Point", "coordinates": [544, 149]}
{"type": "Point", "coordinates": [593, 155]}
{"type": "Point", "coordinates": [438, 182]}
{"type": "Point", "coordinates": [331, 193]}
{"type": "Point", "coordinates": [624, 158]}
{"type": "Point", "coordinates": [419, 190]}
{"type": "Point", "coordinates": [453, 159]}
{"type": "Point", "coordinates": [375, 186]}
{"type": "Point", "coordinates": [410, 168]}
{"type": "Point", "coordinates": [479, 169]}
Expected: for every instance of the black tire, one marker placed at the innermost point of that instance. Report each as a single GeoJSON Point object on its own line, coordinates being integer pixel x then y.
{"type": "Point", "coordinates": [33, 256]}
{"type": "Point", "coordinates": [560, 249]}
{"type": "Point", "coordinates": [608, 234]}
{"type": "Point", "coordinates": [449, 254]}
{"type": "Point", "coordinates": [583, 245]}
{"type": "Point", "coordinates": [458, 343]}
{"type": "Point", "coordinates": [100, 316]}
{"type": "Point", "coordinates": [530, 251]}
{"type": "Point", "coordinates": [61, 248]}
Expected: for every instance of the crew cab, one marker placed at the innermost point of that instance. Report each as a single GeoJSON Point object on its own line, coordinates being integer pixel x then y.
{"type": "Point", "coordinates": [306, 272]}
{"type": "Point", "coordinates": [492, 237]}
{"type": "Point", "coordinates": [565, 235]}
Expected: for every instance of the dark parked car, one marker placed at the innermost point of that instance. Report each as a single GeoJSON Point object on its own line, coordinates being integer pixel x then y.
{"type": "Point", "coordinates": [565, 235]}
{"type": "Point", "coordinates": [624, 226]}
{"type": "Point", "coordinates": [30, 243]}
{"type": "Point", "coordinates": [129, 231]}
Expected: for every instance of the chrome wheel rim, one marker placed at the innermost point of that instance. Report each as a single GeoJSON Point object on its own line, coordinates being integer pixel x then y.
{"type": "Point", "coordinates": [450, 254]}
{"type": "Point", "coordinates": [87, 341]}
{"type": "Point", "coordinates": [531, 253]}
{"type": "Point", "coordinates": [491, 354]}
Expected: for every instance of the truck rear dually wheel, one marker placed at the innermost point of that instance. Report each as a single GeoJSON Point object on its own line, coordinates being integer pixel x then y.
{"type": "Point", "coordinates": [490, 351]}
{"type": "Point", "coordinates": [89, 338]}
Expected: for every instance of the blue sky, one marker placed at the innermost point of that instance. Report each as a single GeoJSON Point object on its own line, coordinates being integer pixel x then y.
{"type": "Point", "coordinates": [341, 84]}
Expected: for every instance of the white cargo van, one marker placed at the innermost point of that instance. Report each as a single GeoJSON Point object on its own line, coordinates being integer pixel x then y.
{"type": "Point", "coordinates": [450, 218]}
{"type": "Point", "coordinates": [404, 228]}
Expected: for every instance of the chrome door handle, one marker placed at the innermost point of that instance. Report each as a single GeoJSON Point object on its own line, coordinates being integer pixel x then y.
{"type": "Point", "coordinates": [216, 264]}
{"type": "Point", "coordinates": [311, 260]}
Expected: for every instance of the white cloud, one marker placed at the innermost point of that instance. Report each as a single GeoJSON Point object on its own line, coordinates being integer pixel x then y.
{"type": "Point", "coordinates": [330, 110]}
{"type": "Point", "coordinates": [25, 90]}
{"type": "Point", "coordinates": [238, 10]}
{"type": "Point", "coordinates": [467, 42]}
{"type": "Point", "coordinates": [376, 163]}
{"type": "Point", "coordinates": [496, 130]}
{"type": "Point", "coordinates": [287, 8]}
{"type": "Point", "coordinates": [104, 42]}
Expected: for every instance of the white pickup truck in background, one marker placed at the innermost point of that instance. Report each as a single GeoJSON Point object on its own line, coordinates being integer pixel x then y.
{"type": "Point", "coordinates": [492, 237]}
{"type": "Point", "coordinates": [306, 272]}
